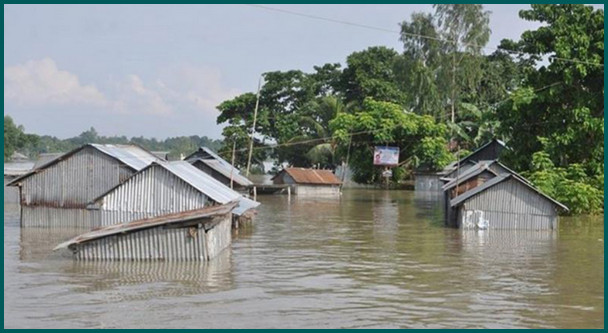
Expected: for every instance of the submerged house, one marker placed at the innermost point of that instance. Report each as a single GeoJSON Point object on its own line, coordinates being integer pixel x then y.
{"type": "Point", "coordinates": [212, 164]}
{"type": "Point", "coordinates": [429, 180]}
{"type": "Point", "coordinates": [309, 181]}
{"type": "Point", "coordinates": [165, 188]}
{"type": "Point", "coordinates": [168, 210]}
{"type": "Point", "coordinates": [491, 196]}
{"type": "Point", "coordinates": [490, 151]}
{"type": "Point", "coordinates": [197, 235]}
{"type": "Point", "coordinates": [56, 193]}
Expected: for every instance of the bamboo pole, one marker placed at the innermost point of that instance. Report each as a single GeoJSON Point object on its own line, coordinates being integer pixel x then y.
{"type": "Point", "coordinates": [232, 169]}
{"type": "Point", "coordinates": [255, 118]}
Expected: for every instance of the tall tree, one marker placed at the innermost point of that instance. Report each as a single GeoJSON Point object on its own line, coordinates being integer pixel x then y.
{"type": "Point", "coordinates": [465, 27]}
{"type": "Point", "coordinates": [443, 56]}
{"type": "Point", "coordinates": [560, 108]}
{"type": "Point", "coordinates": [372, 73]}
{"type": "Point", "coordinates": [421, 139]}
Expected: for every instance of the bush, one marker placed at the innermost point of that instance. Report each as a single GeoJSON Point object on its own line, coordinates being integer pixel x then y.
{"type": "Point", "coordinates": [570, 186]}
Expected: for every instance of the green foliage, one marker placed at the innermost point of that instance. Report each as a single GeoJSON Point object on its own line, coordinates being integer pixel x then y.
{"type": "Point", "coordinates": [560, 107]}
{"type": "Point", "coordinates": [557, 115]}
{"type": "Point", "coordinates": [570, 186]}
{"type": "Point", "coordinates": [16, 140]}
{"type": "Point", "coordinates": [371, 73]}
{"type": "Point", "coordinates": [32, 145]}
{"type": "Point", "coordinates": [420, 138]}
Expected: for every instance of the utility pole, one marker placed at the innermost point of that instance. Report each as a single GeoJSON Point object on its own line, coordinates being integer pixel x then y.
{"type": "Point", "coordinates": [255, 117]}
{"type": "Point", "coordinates": [232, 169]}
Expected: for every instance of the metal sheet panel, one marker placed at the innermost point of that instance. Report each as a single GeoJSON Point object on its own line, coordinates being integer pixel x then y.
{"type": "Point", "coordinates": [427, 182]}
{"type": "Point", "coordinates": [175, 243]}
{"type": "Point", "coordinates": [219, 237]}
{"type": "Point", "coordinates": [227, 172]}
{"type": "Point", "coordinates": [206, 184]}
{"type": "Point", "coordinates": [317, 190]}
{"type": "Point", "coordinates": [510, 204]}
{"type": "Point", "coordinates": [208, 154]}
{"type": "Point", "coordinates": [170, 244]}
{"type": "Point", "coordinates": [244, 205]}
{"type": "Point", "coordinates": [73, 182]}
{"type": "Point", "coordinates": [133, 156]}
{"type": "Point", "coordinates": [311, 176]}
{"type": "Point", "coordinates": [50, 217]}
{"type": "Point", "coordinates": [152, 192]}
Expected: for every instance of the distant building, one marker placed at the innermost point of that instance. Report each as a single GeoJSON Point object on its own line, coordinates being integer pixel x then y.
{"type": "Point", "coordinates": [208, 154]}
{"type": "Point", "coordinates": [57, 193]}
{"type": "Point", "coordinates": [16, 157]}
{"type": "Point", "coordinates": [309, 182]}
{"type": "Point", "coordinates": [491, 196]}
{"type": "Point", "coordinates": [224, 174]}
{"type": "Point", "coordinates": [45, 158]}
{"type": "Point", "coordinates": [212, 164]}
{"type": "Point", "coordinates": [163, 155]}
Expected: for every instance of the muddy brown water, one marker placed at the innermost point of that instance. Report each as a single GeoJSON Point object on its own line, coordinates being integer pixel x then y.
{"type": "Point", "coordinates": [370, 259]}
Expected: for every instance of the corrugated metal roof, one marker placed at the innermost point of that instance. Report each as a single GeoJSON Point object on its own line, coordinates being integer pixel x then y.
{"type": "Point", "coordinates": [499, 179]}
{"type": "Point", "coordinates": [467, 158]}
{"type": "Point", "coordinates": [148, 223]}
{"type": "Point", "coordinates": [133, 156]}
{"type": "Point", "coordinates": [245, 204]}
{"type": "Point", "coordinates": [227, 171]}
{"type": "Point", "coordinates": [312, 176]}
{"type": "Point", "coordinates": [469, 173]}
{"type": "Point", "coordinates": [208, 154]}
{"type": "Point", "coordinates": [201, 181]}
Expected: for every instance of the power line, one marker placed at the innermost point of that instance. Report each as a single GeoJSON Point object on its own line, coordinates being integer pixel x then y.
{"type": "Point", "coordinates": [371, 27]}
{"type": "Point", "coordinates": [324, 139]}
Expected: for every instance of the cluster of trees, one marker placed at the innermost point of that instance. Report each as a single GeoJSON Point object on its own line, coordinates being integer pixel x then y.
{"type": "Point", "coordinates": [31, 145]}
{"type": "Point", "coordinates": [443, 93]}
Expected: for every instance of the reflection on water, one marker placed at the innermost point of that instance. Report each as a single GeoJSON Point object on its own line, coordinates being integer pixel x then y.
{"type": "Point", "coordinates": [366, 259]}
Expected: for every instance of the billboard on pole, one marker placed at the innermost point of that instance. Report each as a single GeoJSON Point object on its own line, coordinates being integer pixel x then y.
{"type": "Point", "coordinates": [388, 156]}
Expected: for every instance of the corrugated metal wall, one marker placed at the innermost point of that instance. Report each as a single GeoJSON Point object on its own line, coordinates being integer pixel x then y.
{"type": "Point", "coordinates": [161, 243]}
{"type": "Point", "coordinates": [317, 190]}
{"type": "Point", "coordinates": [511, 205]}
{"type": "Point", "coordinates": [50, 217]}
{"type": "Point", "coordinates": [219, 237]}
{"type": "Point", "coordinates": [73, 182]}
{"type": "Point", "coordinates": [427, 182]}
{"type": "Point", "coordinates": [153, 192]}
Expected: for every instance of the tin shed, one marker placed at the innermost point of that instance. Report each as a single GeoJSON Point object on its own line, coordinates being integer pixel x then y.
{"type": "Point", "coordinates": [199, 235]}
{"type": "Point", "coordinates": [223, 173]}
{"type": "Point", "coordinates": [57, 192]}
{"type": "Point", "coordinates": [165, 188]}
{"type": "Point", "coordinates": [309, 181]}
{"type": "Point", "coordinates": [506, 201]}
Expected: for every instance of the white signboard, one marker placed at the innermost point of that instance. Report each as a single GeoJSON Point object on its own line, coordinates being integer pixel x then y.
{"type": "Point", "coordinates": [388, 156]}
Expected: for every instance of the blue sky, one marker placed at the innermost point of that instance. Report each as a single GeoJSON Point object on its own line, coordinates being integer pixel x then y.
{"type": "Point", "coordinates": [159, 71]}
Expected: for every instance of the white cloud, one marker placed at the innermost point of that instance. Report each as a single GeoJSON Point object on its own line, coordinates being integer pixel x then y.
{"type": "Point", "coordinates": [198, 87]}
{"type": "Point", "coordinates": [134, 96]}
{"type": "Point", "coordinates": [179, 99]}
{"type": "Point", "coordinates": [41, 83]}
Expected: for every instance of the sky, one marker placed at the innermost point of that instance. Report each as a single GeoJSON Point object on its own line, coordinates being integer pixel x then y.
{"type": "Point", "coordinates": [160, 70]}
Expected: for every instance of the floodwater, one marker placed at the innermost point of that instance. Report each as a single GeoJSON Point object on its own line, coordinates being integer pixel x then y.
{"type": "Point", "coordinates": [370, 259]}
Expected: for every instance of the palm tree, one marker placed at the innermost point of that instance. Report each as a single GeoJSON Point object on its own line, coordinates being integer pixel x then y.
{"type": "Point", "coordinates": [315, 120]}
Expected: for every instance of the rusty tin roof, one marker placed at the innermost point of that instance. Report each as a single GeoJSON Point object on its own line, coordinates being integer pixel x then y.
{"type": "Point", "coordinates": [312, 176]}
